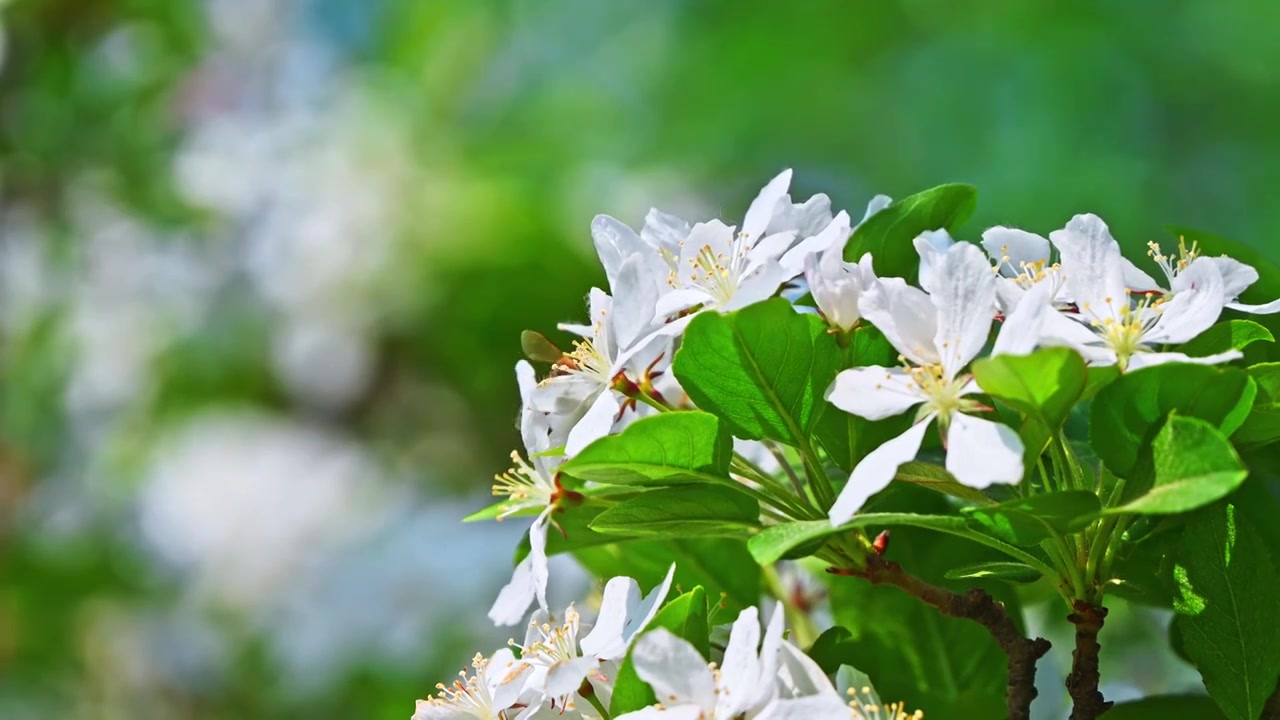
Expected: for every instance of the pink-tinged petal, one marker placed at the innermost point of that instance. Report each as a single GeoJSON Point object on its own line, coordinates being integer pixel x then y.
{"type": "Point", "coordinates": [1193, 309]}
{"type": "Point", "coordinates": [877, 203]}
{"type": "Point", "coordinates": [674, 669]}
{"type": "Point", "coordinates": [677, 301]}
{"type": "Point", "coordinates": [1270, 308]}
{"type": "Point", "coordinates": [1014, 249]}
{"type": "Point", "coordinates": [1143, 360]}
{"type": "Point", "coordinates": [982, 453]}
{"type": "Point", "coordinates": [876, 471]}
{"type": "Point", "coordinates": [815, 707]}
{"type": "Point", "coordinates": [905, 315]}
{"type": "Point", "coordinates": [965, 295]}
{"type": "Point", "coordinates": [677, 712]}
{"type": "Point", "coordinates": [1137, 280]}
{"type": "Point", "coordinates": [930, 246]}
{"type": "Point", "coordinates": [1092, 265]}
{"type": "Point", "coordinates": [740, 670]}
{"type": "Point", "coordinates": [1236, 276]}
{"type": "Point", "coordinates": [875, 392]}
{"type": "Point", "coordinates": [1022, 328]}
{"type": "Point", "coordinates": [506, 676]}
{"type": "Point", "coordinates": [764, 206]}
{"type": "Point", "coordinates": [597, 423]}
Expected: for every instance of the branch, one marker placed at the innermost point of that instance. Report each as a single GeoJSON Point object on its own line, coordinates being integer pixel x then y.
{"type": "Point", "coordinates": [1271, 708]}
{"type": "Point", "coordinates": [978, 606]}
{"type": "Point", "coordinates": [1082, 683]}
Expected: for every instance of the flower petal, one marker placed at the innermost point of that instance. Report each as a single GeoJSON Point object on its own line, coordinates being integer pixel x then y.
{"type": "Point", "coordinates": [981, 452]}
{"type": "Point", "coordinates": [1193, 309]}
{"type": "Point", "coordinates": [834, 235]}
{"type": "Point", "coordinates": [1014, 249]}
{"type": "Point", "coordinates": [505, 677]}
{"type": "Point", "coordinates": [875, 392]}
{"type": "Point", "coordinates": [1143, 360]}
{"type": "Point", "coordinates": [615, 242]}
{"type": "Point", "coordinates": [876, 204]}
{"type": "Point", "coordinates": [740, 671]}
{"type": "Point", "coordinates": [1270, 308]}
{"type": "Point", "coordinates": [1137, 280]}
{"type": "Point", "coordinates": [1022, 328]}
{"type": "Point", "coordinates": [930, 246]}
{"type": "Point", "coordinates": [905, 315]}
{"type": "Point", "coordinates": [665, 712]}
{"type": "Point", "coordinates": [965, 296]}
{"type": "Point", "coordinates": [635, 300]}
{"type": "Point", "coordinates": [677, 301]}
{"type": "Point", "coordinates": [805, 219]}
{"type": "Point", "coordinates": [877, 470]}
{"type": "Point", "coordinates": [566, 676]}
{"type": "Point", "coordinates": [674, 669]}
{"type": "Point", "coordinates": [528, 581]}
{"type": "Point", "coordinates": [800, 676]}
{"type": "Point", "coordinates": [664, 231]}
{"type": "Point", "coordinates": [1092, 267]}
{"type": "Point", "coordinates": [624, 612]}
{"type": "Point", "coordinates": [597, 423]}
{"type": "Point", "coordinates": [815, 707]}
{"type": "Point", "coordinates": [763, 207]}
{"type": "Point", "coordinates": [1236, 276]}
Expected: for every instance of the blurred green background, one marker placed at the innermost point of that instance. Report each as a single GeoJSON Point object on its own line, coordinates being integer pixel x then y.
{"type": "Point", "coordinates": [264, 264]}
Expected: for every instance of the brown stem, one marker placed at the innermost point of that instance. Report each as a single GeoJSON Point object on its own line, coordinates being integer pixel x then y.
{"type": "Point", "coordinates": [1082, 683]}
{"type": "Point", "coordinates": [978, 606]}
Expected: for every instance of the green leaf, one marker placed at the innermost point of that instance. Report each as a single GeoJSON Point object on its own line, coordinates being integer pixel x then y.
{"type": "Point", "coordinates": [1226, 335]}
{"type": "Point", "coordinates": [1227, 587]}
{"type": "Point", "coordinates": [1043, 386]}
{"type": "Point", "coordinates": [1194, 465]}
{"type": "Point", "coordinates": [834, 648]}
{"type": "Point", "coordinates": [571, 531]}
{"type": "Point", "coordinates": [1028, 521]}
{"type": "Point", "coordinates": [763, 369]}
{"type": "Point", "coordinates": [848, 438]}
{"type": "Point", "coordinates": [1262, 426]}
{"type": "Point", "coordinates": [1163, 707]}
{"type": "Point", "coordinates": [720, 565]}
{"type": "Point", "coordinates": [936, 478]}
{"type": "Point", "coordinates": [1127, 414]}
{"type": "Point", "coordinates": [1014, 572]}
{"type": "Point", "coordinates": [684, 617]}
{"type": "Point", "coordinates": [774, 542]}
{"type": "Point", "coordinates": [667, 449]}
{"type": "Point", "coordinates": [684, 511]}
{"type": "Point", "coordinates": [1097, 378]}
{"type": "Point", "coordinates": [888, 234]}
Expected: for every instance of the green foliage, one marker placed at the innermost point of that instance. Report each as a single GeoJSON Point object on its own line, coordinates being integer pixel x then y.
{"type": "Point", "coordinates": [685, 511]}
{"type": "Point", "coordinates": [720, 565]}
{"type": "Point", "coordinates": [1127, 414]}
{"type": "Point", "coordinates": [763, 369]}
{"type": "Point", "coordinates": [1226, 335]}
{"type": "Point", "coordinates": [666, 449]}
{"type": "Point", "coordinates": [1028, 521]}
{"type": "Point", "coordinates": [1014, 572]}
{"type": "Point", "coordinates": [1194, 466]}
{"type": "Point", "coordinates": [1162, 707]}
{"type": "Point", "coordinates": [1227, 582]}
{"type": "Point", "coordinates": [848, 438]}
{"type": "Point", "coordinates": [887, 235]}
{"type": "Point", "coordinates": [684, 617]}
{"type": "Point", "coordinates": [1262, 425]}
{"type": "Point", "coordinates": [936, 478]}
{"type": "Point", "coordinates": [1043, 386]}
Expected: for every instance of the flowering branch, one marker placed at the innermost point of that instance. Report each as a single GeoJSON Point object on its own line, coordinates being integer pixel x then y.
{"type": "Point", "coordinates": [1082, 683]}
{"type": "Point", "coordinates": [978, 606]}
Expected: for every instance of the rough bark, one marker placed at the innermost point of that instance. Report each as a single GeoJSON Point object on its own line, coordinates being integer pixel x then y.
{"type": "Point", "coordinates": [1082, 683]}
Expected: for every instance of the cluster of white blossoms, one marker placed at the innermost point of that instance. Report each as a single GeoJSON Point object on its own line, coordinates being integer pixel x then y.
{"type": "Point", "coordinates": [559, 675]}
{"type": "Point", "coordinates": [1073, 289]}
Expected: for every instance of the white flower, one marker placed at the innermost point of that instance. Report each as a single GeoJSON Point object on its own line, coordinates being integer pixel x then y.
{"type": "Point", "coordinates": [836, 285]}
{"type": "Point", "coordinates": [723, 269]}
{"type": "Point", "coordinates": [1021, 258]}
{"type": "Point", "coordinates": [937, 335]}
{"type": "Point", "coordinates": [1111, 327]}
{"type": "Point", "coordinates": [619, 342]}
{"type": "Point", "coordinates": [529, 484]}
{"type": "Point", "coordinates": [690, 689]}
{"type": "Point", "coordinates": [1236, 276]}
{"type": "Point", "coordinates": [491, 688]}
{"type": "Point", "coordinates": [561, 662]}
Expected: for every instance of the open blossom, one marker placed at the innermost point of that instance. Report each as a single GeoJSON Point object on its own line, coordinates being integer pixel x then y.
{"type": "Point", "coordinates": [488, 692]}
{"type": "Point", "coordinates": [561, 661]}
{"type": "Point", "coordinates": [938, 335]}
{"type": "Point", "coordinates": [529, 484]}
{"type": "Point", "coordinates": [1236, 276]}
{"type": "Point", "coordinates": [1111, 326]}
{"type": "Point", "coordinates": [617, 347]}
